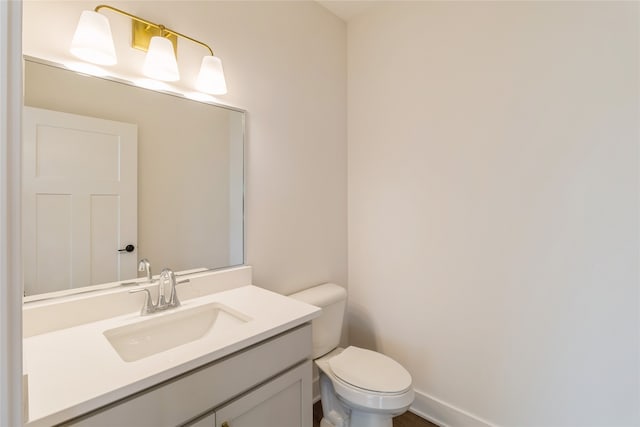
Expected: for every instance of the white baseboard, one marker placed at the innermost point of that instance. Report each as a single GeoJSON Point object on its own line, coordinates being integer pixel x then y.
{"type": "Point", "coordinates": [431, 409]}
{"type": "Point", "coordinates": [443, 414]}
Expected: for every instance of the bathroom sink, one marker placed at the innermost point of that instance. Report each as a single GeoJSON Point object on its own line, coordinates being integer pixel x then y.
{"type": "Point", "coordinates": [169, 330]}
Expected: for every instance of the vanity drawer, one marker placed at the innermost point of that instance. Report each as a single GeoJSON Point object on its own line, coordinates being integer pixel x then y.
{"type": "Point", "coordinates": [175, 401]}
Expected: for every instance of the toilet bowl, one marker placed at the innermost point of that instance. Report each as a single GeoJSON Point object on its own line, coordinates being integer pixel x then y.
{"type": "Point", "coordinates": [364, 388]}
{"type": "Point", "coordinates": [358, 387]}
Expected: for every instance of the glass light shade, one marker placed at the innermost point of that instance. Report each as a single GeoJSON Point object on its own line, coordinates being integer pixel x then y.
{"type": "Point", "coordinates": [92, 40]}
{"type": "Point", "coordinates": [211, 77]}
{"type": "Point", "coordinates": [160, 62]}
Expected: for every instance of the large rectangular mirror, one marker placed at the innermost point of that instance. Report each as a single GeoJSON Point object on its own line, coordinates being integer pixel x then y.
{"type": "Point", "coordinates": [113, 173]}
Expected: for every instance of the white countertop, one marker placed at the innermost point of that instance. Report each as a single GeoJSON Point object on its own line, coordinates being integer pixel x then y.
{"type": "Point", "coordinates": [76, 370]}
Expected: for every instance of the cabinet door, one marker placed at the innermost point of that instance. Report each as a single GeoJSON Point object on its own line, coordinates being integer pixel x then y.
{"type": "Point", "coordinates": [206, 421]}
{"type": "Point", "coordinates": [282, 402]}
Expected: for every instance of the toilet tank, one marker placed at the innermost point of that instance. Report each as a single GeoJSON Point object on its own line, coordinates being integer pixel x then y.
{"type": "Point", "coordinates": [326, 329]}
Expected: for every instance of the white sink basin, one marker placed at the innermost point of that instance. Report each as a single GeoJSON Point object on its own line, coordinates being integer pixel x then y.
{"type": "Point", "coordinates": [166, 331]}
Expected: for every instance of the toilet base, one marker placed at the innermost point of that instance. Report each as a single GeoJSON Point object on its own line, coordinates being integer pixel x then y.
{"type": "Point", "coordinates": [325, 423]}
{"type": "Point", "coordinates": [363, 419]}
{"type": "Point", "coordinates": [368, 419]}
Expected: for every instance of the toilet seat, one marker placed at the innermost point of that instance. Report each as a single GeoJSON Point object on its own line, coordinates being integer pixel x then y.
{"type": "Point", "coordinates": [370, 371]}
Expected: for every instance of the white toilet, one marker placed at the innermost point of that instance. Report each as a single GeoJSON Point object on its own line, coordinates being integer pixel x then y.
{"type": "Point", "coordinates": [358, 387]}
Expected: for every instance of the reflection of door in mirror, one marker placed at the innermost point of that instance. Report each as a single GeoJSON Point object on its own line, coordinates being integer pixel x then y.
{"type": "Point", "coordinates": [79, 200]}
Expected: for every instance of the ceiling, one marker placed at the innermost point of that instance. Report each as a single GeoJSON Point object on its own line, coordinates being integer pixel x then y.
{"type": "Point", "coordinates": [346, 9]}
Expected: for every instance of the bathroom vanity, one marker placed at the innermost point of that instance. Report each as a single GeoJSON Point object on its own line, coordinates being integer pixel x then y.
{"type": "Point", "coordinates": [232, 355]}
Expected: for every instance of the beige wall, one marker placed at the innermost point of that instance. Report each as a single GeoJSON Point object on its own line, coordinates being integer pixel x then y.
{"type": "Point", "coordinates": [285, 64]}
{"type": "Point", "coordinates": [493, 206]}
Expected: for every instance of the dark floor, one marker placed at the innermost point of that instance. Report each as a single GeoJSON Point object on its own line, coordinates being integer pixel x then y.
{"type": "Point", "coordinates": [405, 420]}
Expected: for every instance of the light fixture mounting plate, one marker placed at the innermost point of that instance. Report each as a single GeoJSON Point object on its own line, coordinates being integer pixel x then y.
{"type": "Point", "coordinates": [141, 34]}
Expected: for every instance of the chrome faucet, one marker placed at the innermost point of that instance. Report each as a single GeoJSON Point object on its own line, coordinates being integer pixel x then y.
{"type": "Point", "coordinates": [167, 275]}
{"type": "Point", "coordinates": [145, 265]}
{"type": "Point", "coordinates": [163, 303]}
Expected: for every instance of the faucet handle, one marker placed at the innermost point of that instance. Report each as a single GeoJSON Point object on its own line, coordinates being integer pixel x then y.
{"type": "Point", "coordinates": [173, 298]}
{"type": "Point", "coordinates": [148, 306]}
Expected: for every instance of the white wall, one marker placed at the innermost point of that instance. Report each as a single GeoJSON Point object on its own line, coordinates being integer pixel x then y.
{"type": "Point", "coordinates": [493, 206]}
{"type": "Point", "coordinates": [285, 64]}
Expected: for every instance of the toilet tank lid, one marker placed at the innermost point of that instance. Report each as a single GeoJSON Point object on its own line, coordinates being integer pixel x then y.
{"type": "Point", "coordinates": [321, 295]}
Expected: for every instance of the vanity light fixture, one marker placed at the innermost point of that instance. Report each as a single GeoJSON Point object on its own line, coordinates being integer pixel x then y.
{"type": "Point", "coordinates": [160, 62]}
{"type": "Point", "coordinates": [93, 42]}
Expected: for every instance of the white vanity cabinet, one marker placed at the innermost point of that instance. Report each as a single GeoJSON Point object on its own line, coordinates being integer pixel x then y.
{"type": "Point", "coordinates": [282, 402]}
{"type": "Point", "coordinates": [265, 385]}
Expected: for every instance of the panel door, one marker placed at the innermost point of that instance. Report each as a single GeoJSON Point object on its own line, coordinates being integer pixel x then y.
{"type": "Point", "coordinates": [282, 402]}
{"type": "Point", "coordinates": [79, 200]}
